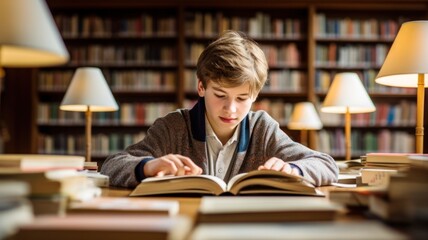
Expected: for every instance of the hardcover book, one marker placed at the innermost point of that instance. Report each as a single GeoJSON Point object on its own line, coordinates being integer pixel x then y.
{"type": "Point", "coordinates": [235, 209]}
{"type": "Point", "coordinates": [31, 162]}
{"type": "Point", "coordinates": [394, 158]}
{"type": "Point", "coordinates": [122, 205]}
{"type": "Point", "coordinates": [266, 182]}
{"type": "Point", "coordinates": [106, 227]}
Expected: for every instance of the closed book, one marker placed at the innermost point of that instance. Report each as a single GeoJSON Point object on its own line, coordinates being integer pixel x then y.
{"type": "Point", "coordinates": [391, 157]}
{"type": "Point", "coordinates": [376, 176]}
{"type": "Point", "coordinates": [355, 197]}
{"type": "Point", "coordinates": [106, 227]}
{"type": "Point", "coordinates": [121, 205]}
{"type": "Point", "coordinates": [33, 162]}
{"type": "Point", "coordinates": [266, 182]}
{"type": "Point", "coordinates": [390, 210]}
{"type": "Point", "coordinates": [338, 230]}
{"type": "Point", "coordinates": [215, 209]}
{"type": "Point", "coordinates": [60, 181]}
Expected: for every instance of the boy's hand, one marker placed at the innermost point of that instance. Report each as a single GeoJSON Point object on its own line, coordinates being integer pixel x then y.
{"type": "Point", "coordinates": [171, 164]}
{"type": "Point", "coordinates": [280, 166]}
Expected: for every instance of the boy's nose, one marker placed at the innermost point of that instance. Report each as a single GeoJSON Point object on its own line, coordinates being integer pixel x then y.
{"type": "Point", "coordinates": [230, 106]}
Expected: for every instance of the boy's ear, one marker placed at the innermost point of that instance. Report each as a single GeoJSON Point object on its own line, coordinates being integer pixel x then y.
{"type": "Point", "coordinates": [201, 89]}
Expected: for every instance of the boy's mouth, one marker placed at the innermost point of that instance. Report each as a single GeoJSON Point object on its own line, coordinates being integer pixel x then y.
{"type": "Point", "coordinates": [227, 120]}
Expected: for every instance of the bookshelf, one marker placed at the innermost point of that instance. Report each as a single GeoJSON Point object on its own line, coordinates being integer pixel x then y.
{"type": "Point", "coordinates": [358, 40]}
{"type": "Point", "coordinates": [148, 50]}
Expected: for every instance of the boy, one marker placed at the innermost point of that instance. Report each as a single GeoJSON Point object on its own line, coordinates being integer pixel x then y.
{"type": "Point", "coordinates": [220, 135]}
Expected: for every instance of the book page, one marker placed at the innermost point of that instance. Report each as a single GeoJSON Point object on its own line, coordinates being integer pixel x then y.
{"type": "Point", "coordinates": [266, 174]}
{"type": "Point", "coordinates": [199, 184]}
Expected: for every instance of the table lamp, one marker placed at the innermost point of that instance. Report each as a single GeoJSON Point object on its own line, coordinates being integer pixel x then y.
{"type": "Point", "coordinates": [29, 36]}
{"type": "Point", "coordinates": [406, 65]}
{"type": "Point", "coordinates": [303, 118]}
{"type": "Point", "coordinates": [88, 92]}
{"type": "Point", "coordinates": [347, 95]}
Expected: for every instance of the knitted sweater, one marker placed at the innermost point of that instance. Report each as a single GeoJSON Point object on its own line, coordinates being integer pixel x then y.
{"type": "Point", "coordinates": [183, 132]}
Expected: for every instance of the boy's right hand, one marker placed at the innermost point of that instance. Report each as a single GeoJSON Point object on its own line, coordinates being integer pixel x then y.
{"type": "Point", "coordinates": [171, 164]}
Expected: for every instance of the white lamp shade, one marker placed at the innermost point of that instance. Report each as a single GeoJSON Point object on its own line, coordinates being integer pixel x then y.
{"type": "Point", "coordinates": [304, 117]}
{"type": "Point", "coordinates": [88, 88]}
{"type": "Point", "coordinates": [28, 35]}
{"type": "Point", "coordinates": [407, 57]}
{"type": "Point", "coordinates": [347, 91]}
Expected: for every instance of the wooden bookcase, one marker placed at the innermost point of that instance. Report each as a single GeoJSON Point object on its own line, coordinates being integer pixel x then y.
{"type": "Point", "coordinates": [147, 50]}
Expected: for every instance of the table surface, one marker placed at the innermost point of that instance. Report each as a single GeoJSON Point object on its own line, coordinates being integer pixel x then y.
{"type": "Point", "coordinates": [189, 205]}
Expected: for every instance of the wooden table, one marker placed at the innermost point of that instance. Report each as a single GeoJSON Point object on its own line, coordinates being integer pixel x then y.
{"type": "Point", "coordinates": [188, 205]}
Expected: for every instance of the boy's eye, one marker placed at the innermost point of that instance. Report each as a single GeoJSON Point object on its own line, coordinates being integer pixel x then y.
{"type": "Point", "coordinates": [242, 99]}
{"type": "Point", "coordinates": [219, 96]}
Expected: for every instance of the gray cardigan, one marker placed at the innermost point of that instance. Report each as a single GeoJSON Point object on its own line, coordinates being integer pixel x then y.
{"type": "Point", "coordinates": [183, 132]}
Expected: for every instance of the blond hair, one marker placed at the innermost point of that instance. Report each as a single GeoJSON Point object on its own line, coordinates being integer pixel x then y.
{"type": "Point", "coordinates": [232, 60]}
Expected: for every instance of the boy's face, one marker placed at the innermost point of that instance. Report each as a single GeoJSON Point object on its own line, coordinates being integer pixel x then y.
{"type": "Point", "coordinates": [225, 107]}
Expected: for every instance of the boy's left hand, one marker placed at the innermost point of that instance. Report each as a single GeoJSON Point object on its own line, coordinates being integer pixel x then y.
{"type": "Point", "coordinates": [279, 165]}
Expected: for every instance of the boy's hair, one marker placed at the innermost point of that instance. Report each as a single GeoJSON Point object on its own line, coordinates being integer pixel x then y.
{"type": "Point", "coordinates": [232, 60]}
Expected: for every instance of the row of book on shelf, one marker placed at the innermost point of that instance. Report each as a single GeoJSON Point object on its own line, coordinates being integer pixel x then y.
{"type": "Point", "coordinates": [211, 23]}
{"type": "Point", "coordinates": [72, 144]}
{"type": "Point", "coordinates": [261, 25]}
{"type": "Point", "coordinates": [286, 55]}
{"type": "Point", "coordinates": [128, 114]}
{"type": "Point", "coordinates": [350, 55]}
{"type": "Point", "coordinates": [333, 141]}
{"type": "Point", "coordinates": [28, 184]}
{"type": "Point", "coordinates": [399, 114]}
{"type": "Point", "coordinates": [74, 25]}
{"type": "Point", "coordinates": [124, 55]}
{"type": "Point", "coordinates": [123, 80]}
{"type": "Point", "coordinates": [347, 27]}
{"type": "Point", "coordinates": [324, 78]}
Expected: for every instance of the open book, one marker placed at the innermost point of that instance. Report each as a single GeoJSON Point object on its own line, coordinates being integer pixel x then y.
{"type": "Point", "coordinates": [258, 182]}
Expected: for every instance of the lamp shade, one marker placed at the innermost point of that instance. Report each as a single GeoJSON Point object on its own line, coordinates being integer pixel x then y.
{"type": "Point", "coordinates": [304, 116]}
{"type": "Point", "coordinates": [88, 88]}
{"type": "Point", "coordinates": [407, 57]}
{"type": "Point", "coordinates": [347, 91]}
{"type": "Point", "coordinates": [28, 35]}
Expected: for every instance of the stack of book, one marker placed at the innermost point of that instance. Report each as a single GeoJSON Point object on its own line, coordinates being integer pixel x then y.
{"type": "Point", "coordinates": [407, 195]}
{"type": "Point", "coordinates": [395, 161]}
{"type": "Point", "coordinates": [379, 167]}
{"type": "Point", "coordinates": [52, 180]}
{"type": "Point", "coordinates": [373, 178]}
{"type": "Point", "coordinates": [15, 209]}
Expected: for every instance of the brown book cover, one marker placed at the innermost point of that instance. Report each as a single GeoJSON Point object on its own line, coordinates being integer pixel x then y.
{"type": "Point", "coordinates": [106, 227]}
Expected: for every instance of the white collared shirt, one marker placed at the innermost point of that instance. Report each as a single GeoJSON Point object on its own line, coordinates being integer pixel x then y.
{"type": "Point", "coordinates": [219, 156]}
